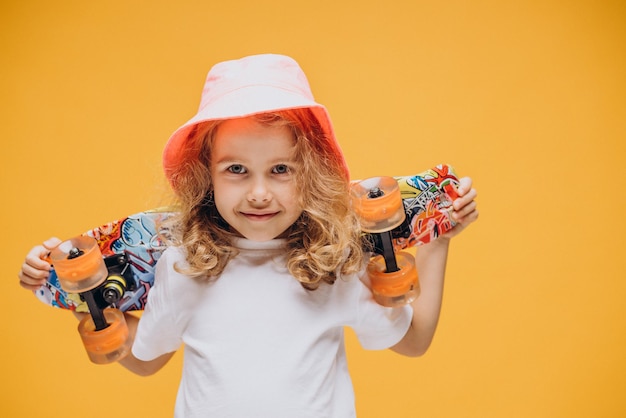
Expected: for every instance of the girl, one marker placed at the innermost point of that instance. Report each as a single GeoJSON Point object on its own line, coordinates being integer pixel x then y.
{"type": "Point", "coordinates": [263, 272]}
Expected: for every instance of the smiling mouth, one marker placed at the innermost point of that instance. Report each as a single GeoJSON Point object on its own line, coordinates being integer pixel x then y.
{"type": "Point", "coordinates": [259, 216]}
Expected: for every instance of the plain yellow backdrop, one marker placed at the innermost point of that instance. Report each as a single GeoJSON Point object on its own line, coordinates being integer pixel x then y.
{"type": "Point", "coordinates": [526, 97]}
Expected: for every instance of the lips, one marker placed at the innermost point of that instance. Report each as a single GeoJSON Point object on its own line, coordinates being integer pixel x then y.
{"type": "Point", "coordinates": [258, 217]}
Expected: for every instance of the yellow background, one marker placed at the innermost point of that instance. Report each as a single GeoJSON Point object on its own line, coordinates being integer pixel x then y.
{"type": "Point", "coordinates": [527, 97]}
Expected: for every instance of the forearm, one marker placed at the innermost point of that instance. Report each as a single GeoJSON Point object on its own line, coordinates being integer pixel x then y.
{"type": "Point", "coordinates": [431, 266]}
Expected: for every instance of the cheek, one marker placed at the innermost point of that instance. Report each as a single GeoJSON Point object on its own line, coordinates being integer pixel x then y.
{"type": "Point", "coordinates": [223, 198]}
{"type": "Point", "coordinates": [293, 199]}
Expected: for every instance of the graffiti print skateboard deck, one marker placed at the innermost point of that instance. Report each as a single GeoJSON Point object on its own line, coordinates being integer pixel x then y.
{"type": "Point", "coordinates": [427, 198]}
{"type": "Point", "coordinates": [397, 213]}
{"type": "Point", "coordinates": [132, 246]}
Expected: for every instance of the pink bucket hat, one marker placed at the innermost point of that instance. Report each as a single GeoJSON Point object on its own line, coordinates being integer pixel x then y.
{"type": "Point", "coordinates": [248, 86]}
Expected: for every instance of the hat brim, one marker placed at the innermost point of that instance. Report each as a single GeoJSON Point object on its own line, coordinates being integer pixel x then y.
{"type": "Point", "coordinates": [243, 102]}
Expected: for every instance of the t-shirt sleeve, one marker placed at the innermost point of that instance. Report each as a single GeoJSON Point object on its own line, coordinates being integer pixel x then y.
{"type": "Point", "coordinates": [157, 332]}
{"type": "Point", "coordinates": [378, 327]}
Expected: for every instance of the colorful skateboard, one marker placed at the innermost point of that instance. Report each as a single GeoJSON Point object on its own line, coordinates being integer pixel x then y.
{"type": "Point", "coordinates": [131, 248]}
{"type": "Point", "coordinates": [110, 269]}
{"type": "Point", "coordinates": [106, 271]}
{"type": "Point", "coordinates": [397, 213]}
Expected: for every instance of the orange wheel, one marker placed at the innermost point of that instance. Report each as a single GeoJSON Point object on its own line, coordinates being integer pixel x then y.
{"type": "Point", "coordinates": [396, 288]}
{"type": "Point", "coordinates": [79, 264]}
{"type": "Point", "coordinates": [378, 203]}
{"type": "Point", "coordinates": [107, 345]}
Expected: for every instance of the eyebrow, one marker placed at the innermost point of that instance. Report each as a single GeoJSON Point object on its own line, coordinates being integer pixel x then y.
{"type": "Point", "coordinates": [280, 159]}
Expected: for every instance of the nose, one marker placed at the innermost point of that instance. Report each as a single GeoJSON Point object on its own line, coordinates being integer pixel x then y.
{"type": "Point", "coordinates": [259, 192]}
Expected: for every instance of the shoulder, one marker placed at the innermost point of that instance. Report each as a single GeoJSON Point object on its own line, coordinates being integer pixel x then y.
{"type": "Point", "coordinates": [169, 276]}
{"type": "Point", "coordinates": [172, 257]}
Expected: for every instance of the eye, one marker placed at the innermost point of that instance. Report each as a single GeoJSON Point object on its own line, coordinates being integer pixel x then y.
{"type": "Point", "coordinates": [237, 169]}
{"type": "Point", "coordinates": [281, 169]}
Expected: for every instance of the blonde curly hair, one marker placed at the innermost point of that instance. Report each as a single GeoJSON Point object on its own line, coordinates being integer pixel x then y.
{"type": "Point", "coordinates": [326, 239]}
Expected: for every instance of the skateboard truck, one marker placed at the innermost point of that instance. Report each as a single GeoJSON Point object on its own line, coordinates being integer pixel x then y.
{"type": "Point", "coordinates": [81, 269]}
{"type": "Point", "coordinates": [393, 276]}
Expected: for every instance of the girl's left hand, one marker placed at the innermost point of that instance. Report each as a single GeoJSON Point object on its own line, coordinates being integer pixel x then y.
{"type": "Point", "coordinates": [465, 208]}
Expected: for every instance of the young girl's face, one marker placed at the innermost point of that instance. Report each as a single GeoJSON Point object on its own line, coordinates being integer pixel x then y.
{"type": "Point", "coordinates": [253, 168]}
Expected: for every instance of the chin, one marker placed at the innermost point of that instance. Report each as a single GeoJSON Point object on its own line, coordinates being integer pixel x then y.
{"type": "Point", "coordinates": [267, 236]}
{"type": "Point", "coordinates": [261, 237]}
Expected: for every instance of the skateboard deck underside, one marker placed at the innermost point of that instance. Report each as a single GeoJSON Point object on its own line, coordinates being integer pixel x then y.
{"type": "Point", "coordinates": [426, 204]}
{"type": "Point", "coordinates": [137, 238]}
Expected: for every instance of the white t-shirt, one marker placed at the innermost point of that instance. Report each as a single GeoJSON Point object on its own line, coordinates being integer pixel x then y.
{"type": "Point", "coordinates": [256, 343]}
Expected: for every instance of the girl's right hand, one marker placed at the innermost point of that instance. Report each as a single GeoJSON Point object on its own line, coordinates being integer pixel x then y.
{"type": "Point", "coordinates": [36, 269]}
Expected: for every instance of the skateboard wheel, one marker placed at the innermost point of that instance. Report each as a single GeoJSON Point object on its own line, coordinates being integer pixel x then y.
{"type": "Point", "coordinates": [396, 288]}
{"type": "Point", "coordinates": [378, 203]}
{"type": "Point", "coordinates": [107, 345]}
{"type": "Point", "coordinates": [79, 264]}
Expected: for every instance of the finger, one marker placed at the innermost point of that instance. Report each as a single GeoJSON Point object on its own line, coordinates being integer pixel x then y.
{"type": "Point", "coordinates": [35, 258]}
{"type": "Point", "coordinates": [465, 200]}
{"type": "Point", "coordinates": [33, 273]}
{"type": "Point", "coordinates": [35, 270]}
{"type": "Point", "coordinates": [465, 185]}
{"type": "Point", "coordinates": [466, 216]}
{"type": "Point", "coordinates": [51, 243]}
{"type": "Point", "coordinates": [32, 288]}
{"type": "Point", "coordinates": [465, 210]}
{"type": "Point", "coordinates": [30, 282]}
